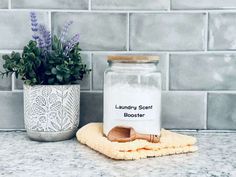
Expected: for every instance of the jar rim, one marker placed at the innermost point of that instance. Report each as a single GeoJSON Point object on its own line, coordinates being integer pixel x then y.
{"type": "Point", "coordinates": [133, 58]}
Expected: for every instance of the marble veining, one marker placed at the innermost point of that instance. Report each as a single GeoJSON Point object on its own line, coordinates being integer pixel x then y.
{"type": "Point", "coordinates": [21, 157]}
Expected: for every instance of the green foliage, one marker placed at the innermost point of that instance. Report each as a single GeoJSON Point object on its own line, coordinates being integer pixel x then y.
{"type": "Point", "coordinates": [35, 67]}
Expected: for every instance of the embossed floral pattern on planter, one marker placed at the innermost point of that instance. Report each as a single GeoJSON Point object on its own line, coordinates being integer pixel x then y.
{"type": "Point", "coordinates": [51, 108]}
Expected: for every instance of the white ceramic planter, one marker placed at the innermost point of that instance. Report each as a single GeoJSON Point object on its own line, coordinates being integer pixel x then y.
{"type": "Point", "coordinates": [51, 112]}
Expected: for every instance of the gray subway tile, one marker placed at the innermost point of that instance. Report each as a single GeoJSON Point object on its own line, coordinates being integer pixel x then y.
{"type": "Point", "coordinates": [203, 72]}
{"type": "Point", "coordinates": [183, 110]}
{"type": "Point", "coordinates": [130, 4]}
{"type": "Point", "coordinates": [203, 4]}
{"type": "Point", "coordinates": [221, 111]}
{"type": "Point", "coordinates": [98, 31]}
{"type": "Point", "coordinates": [167, 31]}
{"type": "Point", "coordinates": [18, 84]}
{"type": "Point", "coordinates": [222, 27]}
{"type": "Point", "coordinates": [11, 109]}
{"type": "Point", "coordinates": [15, 29]}
{"type": "Point", "coordinates": [50, 4]}
{"type": "Point", "coordinates": [3, 4]}
{"type": "Point", "coordinates": [100, 64]}
{"type": "Point", "coordinates": [91, 108]}
{"type": "Point", "coordinates": [5, 82]}
{"type": "Point", "coordinates": [84, 84]}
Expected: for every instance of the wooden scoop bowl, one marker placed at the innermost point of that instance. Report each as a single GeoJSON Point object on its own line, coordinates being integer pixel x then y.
{"type": "Point", "coordinates": [126, 134]}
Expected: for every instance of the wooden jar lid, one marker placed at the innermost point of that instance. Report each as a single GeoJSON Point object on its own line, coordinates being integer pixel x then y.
{"type": "Point", "coordinates": [133, 58]}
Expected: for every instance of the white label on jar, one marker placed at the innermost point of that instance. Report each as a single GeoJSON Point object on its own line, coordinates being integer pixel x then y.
{"type": "Point", "coordinates": [133, 103]}
{"type": "Point", "coordinates": [135, 112]}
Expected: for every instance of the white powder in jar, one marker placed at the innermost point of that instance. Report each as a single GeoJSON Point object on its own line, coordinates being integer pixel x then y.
{"type": "Point", "coordinates": [138, 106]}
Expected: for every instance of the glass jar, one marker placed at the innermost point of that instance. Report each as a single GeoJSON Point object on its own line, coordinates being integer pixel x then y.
{"type": "Point", "coordinates": [132, 94]}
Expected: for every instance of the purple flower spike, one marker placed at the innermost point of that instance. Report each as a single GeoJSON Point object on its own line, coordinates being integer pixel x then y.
{"type": "Point", "coordinates": [41, 43]}
{"type": "Point", "coordinates": [34, 25]}
{"type": "Point", "coordinates": [71, 43]}
{"type": "Point", "coordinates": [46, 37]}
{"type": "Point", "coordinates": [65, 31]}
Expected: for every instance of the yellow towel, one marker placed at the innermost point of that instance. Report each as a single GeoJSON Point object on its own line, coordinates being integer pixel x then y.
{"type": "Point", "coordinates": [170, 143]}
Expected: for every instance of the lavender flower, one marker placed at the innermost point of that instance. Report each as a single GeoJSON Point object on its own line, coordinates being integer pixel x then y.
{"type": "Point", "coordinates": [41, 43]}
{"type": "Point", "coordinates": [71, 44]}
{"type": "Point", "coordinates": [64, 31]}
{"type": "Point", "coordinates": [45, 42]}
{"type": "Point", "coordinates": [34, 25]}
{"type": "Point", "coordinates": [41, 35]}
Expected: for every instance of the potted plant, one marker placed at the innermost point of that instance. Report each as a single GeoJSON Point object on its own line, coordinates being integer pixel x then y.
{"type": "Point", "coordinates": [50, 68]}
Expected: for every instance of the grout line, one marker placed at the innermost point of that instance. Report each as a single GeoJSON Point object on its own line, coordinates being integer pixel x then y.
{"type": "Point", "coordinates": [206, 109]}
{"type": "Point", "coordinates": [45, 10]}
{"type": "Point", "coordinates": [91, 91]}
{"type": "Point", "coordinates": [202, 10]}
{"type": "Point", "coordinates": [10, 91]}
{"type": "Point", "coordinates": [203, 91]}
{"type": "Point", "coordinates": [12, 82]}
{"type": "Point", "coordinates": [206, 31]}
{"type": "Point", "coordinates": [9, 4]}
{"type": "Point", "coordinates": [141, 52]}
{"type": "Point", "coordinates": [182, 130]}
{"type": "Point", "coordinates": [21, 90]}
{"type": "Point", "coordinates": [50, 20]}
{"type": "Point", "coordinates": [173, 11]}
{"type": "Point", "coordinates": [125, 51]}
{"type": "Point", "coordinates": [222, 91]}
{"type": "Point", "coordinates": [169, 6]}
{"type": "Point", "coordinates": [117, 11]}
{"type": "Point", "coordinates": [9, 51]}
{"type": "Point", "coordinates": [185, 91]}
{"type": "Point", "coordinates": [89, 5]}
{"type": "Point", "coordinates": [91, 73]}
{"type": "Point", "coordinates": [164, 91]}
{"type": "Point", "coordinates": [168, 73]}
{"type": "Point", "coordinates": [12, 130]}
{"type": "Point", "coordinates": [128, 32]}
{"type": "Point", "coordinates": [163, 51]}
{"type": "Point", "coordinates": [216, 131]}
{"type": "Point", "coordinates": [18, 91]}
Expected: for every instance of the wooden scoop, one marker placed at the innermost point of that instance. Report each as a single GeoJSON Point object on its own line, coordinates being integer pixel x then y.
{"type": "Point", "coordinates": [125, 134]}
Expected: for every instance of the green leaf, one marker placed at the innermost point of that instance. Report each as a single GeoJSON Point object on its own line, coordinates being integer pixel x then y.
{"type": "Point", "coordinates": [59, 78]}
{"type": "Point", "coordinates": [32, 74]}
{"type": "Point", "coordinates": [37, 62]}
{"type": "Point", "coordinates": [37, 51]}
{"type": "Point", "coordinates": [51, 61]}
{"type": "Point", "coordinates": [16, 75]}
{"type": "Point", "coordinates": [58, 67]}
{"type": "Point", "coordinates": [6, 57]}
{"type": "Point", "coordinates": [51, 81]}
{"type": "Point", "coordinates": [27, 82]}
{"type": "Point", "coordinates": [66, 76]}
{"type": "Point", "coordinates": [54, 71]}
{"type": "Point", "coordinates": [48, 73]}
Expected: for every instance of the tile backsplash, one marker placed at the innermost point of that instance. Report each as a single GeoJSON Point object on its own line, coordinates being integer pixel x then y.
{"type": "Point", "coordinates": [196, 41]}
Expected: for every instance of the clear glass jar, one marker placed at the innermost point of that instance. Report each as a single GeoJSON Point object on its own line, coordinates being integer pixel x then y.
{"type": "Point", "coordinates": [132, 94]}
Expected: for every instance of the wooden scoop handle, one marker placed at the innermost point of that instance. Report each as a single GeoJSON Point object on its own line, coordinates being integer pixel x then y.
{"type": "Point", "coordinates": [149, 137]}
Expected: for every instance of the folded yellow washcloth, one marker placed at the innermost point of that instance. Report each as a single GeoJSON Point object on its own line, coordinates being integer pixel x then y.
{"type": "Point", "coordinates": [170, 143]}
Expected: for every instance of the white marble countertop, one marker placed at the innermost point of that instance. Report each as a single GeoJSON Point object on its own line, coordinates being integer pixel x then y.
{"type": "Point", "coordinates": [22, 157]}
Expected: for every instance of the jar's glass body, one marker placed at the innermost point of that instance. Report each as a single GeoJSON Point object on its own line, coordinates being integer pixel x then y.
{"type": "Point", "coordinates": [132, 97]}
